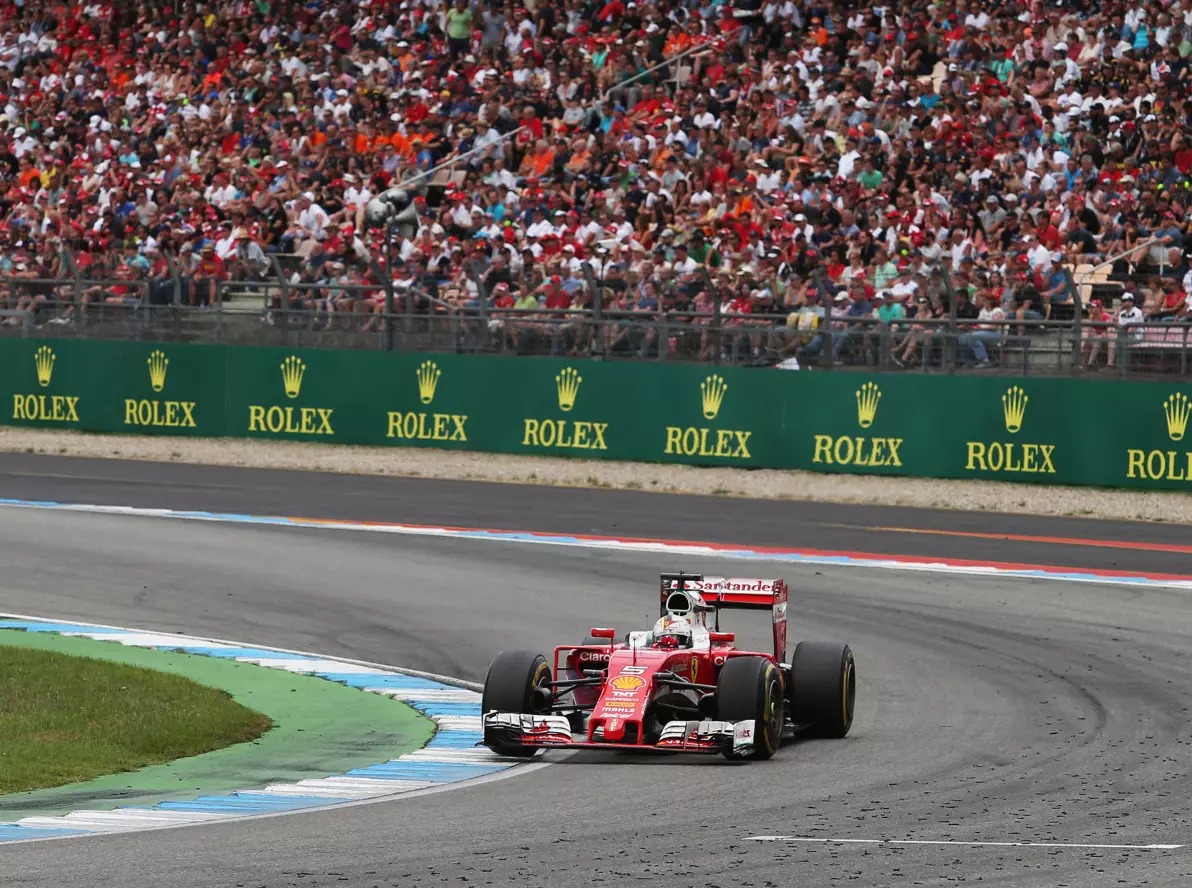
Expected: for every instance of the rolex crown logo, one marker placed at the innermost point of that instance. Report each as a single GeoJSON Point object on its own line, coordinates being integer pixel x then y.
{"type": "Point", "coordinates": [1177, 409]}
{"type": "Point", "coordinates": [567, 383]}
{"type": "Point", "coordinates": [712, 389]}
{"type": "Point", "coordinates": [428, 379]}
{"type": "Point", "coordinates": [43, 359]}
{"type": "Point", "coordinates": [158, 362]}
{"type": "Point", "coordinates": [292, 371]}
{"type": "Point", "coordinates": [868, 396]}
{"type": "Point", "coordinates": [1014, 408]}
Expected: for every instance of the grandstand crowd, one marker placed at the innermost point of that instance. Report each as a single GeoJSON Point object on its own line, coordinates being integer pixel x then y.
{"type": "Point", "coordinates": [792, 155]}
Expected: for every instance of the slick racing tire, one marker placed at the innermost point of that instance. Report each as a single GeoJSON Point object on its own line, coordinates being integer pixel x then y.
{"type": "Point", "coordinates": [510, 687]}
{"type": "Point", "coordinates": [823, 687]}
{"type": "Point", "coordinates": [751, 688]}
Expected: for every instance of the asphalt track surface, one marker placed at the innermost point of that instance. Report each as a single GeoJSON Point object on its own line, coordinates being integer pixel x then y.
{"type": "Point", "coordinates": [990, 710]}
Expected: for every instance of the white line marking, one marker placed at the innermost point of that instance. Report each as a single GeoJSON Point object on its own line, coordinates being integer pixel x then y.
{"type": "Point", "coordinates": [1077, 845]}
{"type": "Point", "coordinates": [390, 790]}
{"type": "Point", "coordinates": [676, 548]}
{"type": "Point", "coordinates": [225, 644]}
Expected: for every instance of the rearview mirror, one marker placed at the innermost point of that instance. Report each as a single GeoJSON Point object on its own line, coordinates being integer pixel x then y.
{"type": "Point", "coordinates": [722, 637]}
{"type": "Point", "coordinates": [603, 633]}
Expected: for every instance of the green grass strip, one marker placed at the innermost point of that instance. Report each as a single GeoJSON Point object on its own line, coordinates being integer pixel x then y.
{"type": "Point", "coordinates": [320, 728]}
{"type": "Point", "coordinates": [64, 719]}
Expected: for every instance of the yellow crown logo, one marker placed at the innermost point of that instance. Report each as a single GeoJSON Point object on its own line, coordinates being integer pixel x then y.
{"type": "Point", "coordinates": [1177, 409]}
{"type": "Point", "coordinates": [292, 371]}
{"type": "Point", "coordinates": [43, 359]}
{"type": "Point", "coordinates": [428, 380]}
{"type": "Point", "coordinates": [867, 397]}
{"type": "Point", "coordinates": [158, 362]}
{"type": "Point", "coordinates": [1014, 408]}
{"type": "Point", "coordinates": [567, 383]}
{"type": "Point", "coordinates": [712, 389]}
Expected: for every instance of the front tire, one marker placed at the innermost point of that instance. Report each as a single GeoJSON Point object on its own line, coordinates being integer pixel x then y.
{"type": "Point", "coordinates": [823, 687]}
{"type": "Point", "coordinates": [751, 688]}
{"type": "Point", "coordinates": [510, 686]}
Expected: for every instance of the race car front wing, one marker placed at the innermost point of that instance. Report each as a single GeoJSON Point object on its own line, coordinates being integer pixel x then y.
{"type": "Point", "coordinates": [554, 732]}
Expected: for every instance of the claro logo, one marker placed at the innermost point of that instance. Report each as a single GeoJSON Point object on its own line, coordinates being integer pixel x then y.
{"type": "Point", "coordinates": [1165, 465]}
{"type": "Point", "coordinates": [859, 450]}
{"type": "Point", "coordinates": [420, 425]}
{"type": "Point", "coordinates": [291, 419]}
{"type": "Point", "coordinates": [41, 407]}
{"type": "Point", "coordinates": [704, 440]}
{"type": "Point", "coordinates": [1011, 456]}
{"type": "Point", "coordinates": [154, 412]}
{"type": "Point", "coordinates": [565, 434]}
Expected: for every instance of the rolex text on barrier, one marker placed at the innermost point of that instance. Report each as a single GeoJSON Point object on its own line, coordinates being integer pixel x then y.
{"type": "Point", "coordinates": [159, 412]}
{"type": "Point", "coordinates": [422, 425]}
{"type": "Point", "coordinates": [291, 419]}
{"type": "Point", "coordinates": [860, 451]}
{"type": "Point", "coordinates": [1164, 464]}
{"type": "Point", "coordinates": [44, 406]}
{"type": "Point", "coordinates": [565, 433]}
{"type": "Point", "coordinates": [1011, 455]}
{"type": "Point", "coordinates": [709, 440]}
{"type": "Point", "coordinates": [1104, 432]}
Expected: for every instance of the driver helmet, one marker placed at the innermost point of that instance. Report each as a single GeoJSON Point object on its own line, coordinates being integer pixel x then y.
{"type": "Point", "coordinates": [672, 630]}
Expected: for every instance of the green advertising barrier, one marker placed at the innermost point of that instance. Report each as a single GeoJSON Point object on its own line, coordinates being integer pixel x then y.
{"type": "Point", "coordinates": [1103, 432]}
{"type": "Point", "coordinates": [101, 386]}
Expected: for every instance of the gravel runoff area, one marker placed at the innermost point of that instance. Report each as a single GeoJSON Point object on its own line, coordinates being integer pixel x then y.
{"type": "Point", "coordinates": [985, 496]}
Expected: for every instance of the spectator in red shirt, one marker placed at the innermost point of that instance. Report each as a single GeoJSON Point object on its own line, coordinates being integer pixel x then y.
{"type": "Point", "coordinates": [209, 271]}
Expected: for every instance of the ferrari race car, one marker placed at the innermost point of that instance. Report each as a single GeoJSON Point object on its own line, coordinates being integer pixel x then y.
{"type": "Point", "coordinates": [680, 687]}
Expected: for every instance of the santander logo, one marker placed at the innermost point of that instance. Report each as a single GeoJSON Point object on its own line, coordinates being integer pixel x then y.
{"type": "Point", "coordinates": [726, 584]}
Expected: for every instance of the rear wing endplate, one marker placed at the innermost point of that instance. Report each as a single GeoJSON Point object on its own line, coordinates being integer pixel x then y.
{"type": "Point", "coordinates": [737, 593]}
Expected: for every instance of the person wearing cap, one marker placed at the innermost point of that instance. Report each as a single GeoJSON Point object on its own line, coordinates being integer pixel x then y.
{"type": "Point", "coordinates": [1095, 333]}
{"type": "Point", "coordinates": [1057, 295]}
{"type": "Point", "coordinates": [887, 309]}
{"type": "Point", "coordinates": [209, 272]}
{"type": "Point", "coordinates": [248, 261]}
{"type": "Point", "coordinates": [1128, 319]}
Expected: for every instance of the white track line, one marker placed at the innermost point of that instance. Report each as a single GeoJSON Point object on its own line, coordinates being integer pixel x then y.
{"type": "Point", "coordinates": [341, 791]}
{"type": "Point", "coordinates": [670, 548]}
{"type": "Point", "coordinates": [1075, 845]}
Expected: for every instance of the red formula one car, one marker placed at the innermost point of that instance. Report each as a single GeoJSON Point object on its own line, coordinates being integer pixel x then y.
{"type": "Point", "coordinates": [680, 687]}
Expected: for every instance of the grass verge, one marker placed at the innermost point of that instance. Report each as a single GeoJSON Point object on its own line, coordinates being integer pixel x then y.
{"type": "Point", "coordinates": [65, 719]}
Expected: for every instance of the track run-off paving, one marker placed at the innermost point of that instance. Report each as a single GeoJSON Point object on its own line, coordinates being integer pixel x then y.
{"type": "Point", "coordinates": [1020, 731]}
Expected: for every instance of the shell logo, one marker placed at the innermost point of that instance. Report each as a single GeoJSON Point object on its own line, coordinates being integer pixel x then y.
{"type": "Point", "coordinates": [627, 683]}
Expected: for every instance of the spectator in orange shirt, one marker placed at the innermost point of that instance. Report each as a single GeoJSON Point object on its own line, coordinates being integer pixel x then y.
{"type": "Point", "coordinates": [537, 162]}
{"type": "Point", "coordinates": [28, 173]}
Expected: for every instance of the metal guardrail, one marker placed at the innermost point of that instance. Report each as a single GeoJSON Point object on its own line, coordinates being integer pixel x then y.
{"type": "Point", "coordinates": [353, 317]}
{"type": "Point", "coordinates": [279, 311]}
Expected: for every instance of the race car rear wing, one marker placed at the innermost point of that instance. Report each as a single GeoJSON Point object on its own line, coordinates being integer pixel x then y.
{"type": "Point", "coordinates": [734, 593]}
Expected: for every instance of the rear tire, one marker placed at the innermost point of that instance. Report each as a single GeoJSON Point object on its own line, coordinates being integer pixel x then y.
{"type": "Point", "coordinates": [823, 687]}
{"type": "Point", "coordinates": [751, 688]}
{"type": "Point", "coordinates": [509, 687]}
